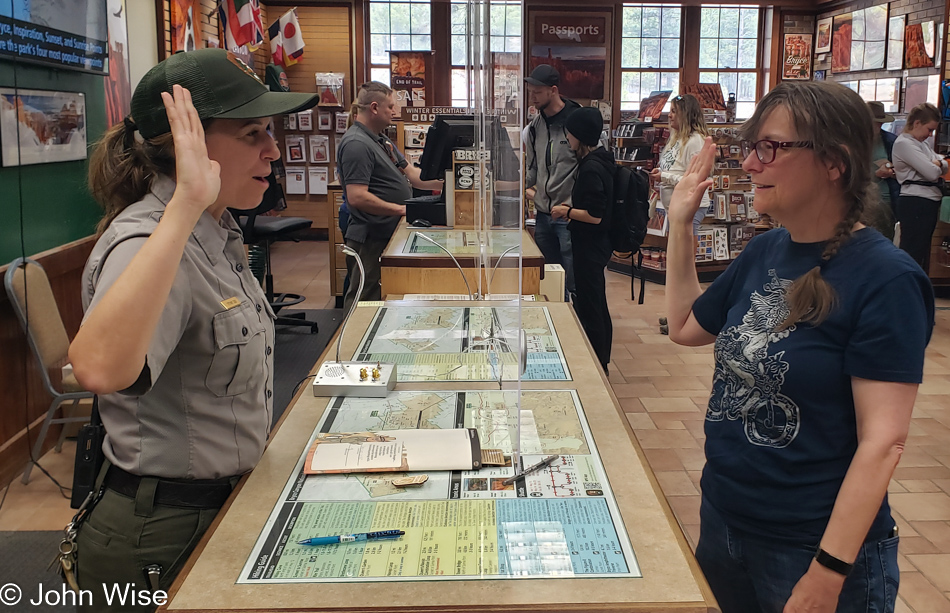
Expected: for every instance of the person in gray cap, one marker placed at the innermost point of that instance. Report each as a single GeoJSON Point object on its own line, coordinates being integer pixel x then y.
{"type": "Point", "coordinates": [178, 337]}
{"type": "Point", "coordinates": [588, 217]}
{"type": "Point", "coordinates": [550, 165]}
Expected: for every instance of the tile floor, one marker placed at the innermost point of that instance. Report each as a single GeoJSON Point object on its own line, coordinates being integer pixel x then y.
{"type": "Point", "coordinates": [663, 389]}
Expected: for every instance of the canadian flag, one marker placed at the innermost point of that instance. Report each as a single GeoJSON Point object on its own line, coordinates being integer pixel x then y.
{"type": "Point", "coordinates": [286, 40]}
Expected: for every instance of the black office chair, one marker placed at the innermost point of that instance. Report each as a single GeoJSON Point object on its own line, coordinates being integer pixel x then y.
{"type": "Point", "coordinates": [263, 230]}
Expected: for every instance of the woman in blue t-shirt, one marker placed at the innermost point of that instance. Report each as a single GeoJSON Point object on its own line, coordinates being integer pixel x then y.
{"type": "Point", "coordinates": [819, 329]}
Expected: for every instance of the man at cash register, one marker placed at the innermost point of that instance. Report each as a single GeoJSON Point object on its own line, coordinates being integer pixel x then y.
{"type": "Point", "coordinates": [376, 181]}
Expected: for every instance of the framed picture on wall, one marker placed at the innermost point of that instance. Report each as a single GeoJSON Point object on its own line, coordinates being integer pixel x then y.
{"type": "Point", "coordinates": [324, 121]}
{"type": "Point", "coordinates": [39, 126]}
{"type": "Point", "coordinates": [820, 75]}
{"type": "Point", "coordinates": [341, 119]}
{"type": "Point", "coordinates": [895, 42]}
{"type": "Point", "coordinates": [916, 53]}
{"type": "Point", "coordinates": [578, 46]}
{"type": "Point", "coordinates": [841, 43]}
{"type": "Point", "coordinates": [185, 21]}
{"type": "Point", "coordinates": [823, 36]}
{"type": "Point", "coordinates": [796, 64]}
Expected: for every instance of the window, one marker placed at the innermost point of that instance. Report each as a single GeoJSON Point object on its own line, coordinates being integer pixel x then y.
{"type": "Point", "coordinates": [396, 26]}
{"type": "Point", "coordinates": [728, 53]}
{"type": "Point", "coordinates": [650, 47]}
{"type": "Point", "coordinates": [504, 22]}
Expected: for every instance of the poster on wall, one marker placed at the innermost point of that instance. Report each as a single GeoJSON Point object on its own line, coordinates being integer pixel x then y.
{"type": "Point", "coordinates": [875, 37]}
{"type": "Point", "coordinates": [915, 47]}
{"type": "Point", "coordinates": [408, 78]}
{"type": "Point", "coordinates": [921, 89]}
{"type": "Point", "coordinates": [841, 43]}
{"type": "Point", "coordinates": [895, 43]}
{"type": "Point", "coordinates": [796, 64]}
{"type": "Point", "coordinates": [118, 88]}
{"type": "Point", "coordinates": [38, 126]}
{"type": "Point", "coordinates": [823, 36]}
{"type": "Point", "coordinates": [577, 46]}
{"type": "Point", "coordinates": [185, 20]}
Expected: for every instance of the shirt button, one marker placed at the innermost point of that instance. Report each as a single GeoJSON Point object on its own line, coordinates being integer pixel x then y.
{"type": "Point", "coordinates": [244, 330]}
{"type": "Point", "coordinates": [259, 308]}
{"type": "Point", "coordinates": [269, 393]}
{"type": "Point", "coordinates": [268, 351]}
{"type": "Point", "coordinates": [240, 267]}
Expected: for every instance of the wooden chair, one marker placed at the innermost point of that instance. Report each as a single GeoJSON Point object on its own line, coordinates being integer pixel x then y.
{"type": "Point", "coordinates": [33, 302]}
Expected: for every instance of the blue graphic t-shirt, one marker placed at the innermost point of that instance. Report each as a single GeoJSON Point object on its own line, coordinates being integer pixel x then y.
{"type": "Point", "coordinates": [780, 427]}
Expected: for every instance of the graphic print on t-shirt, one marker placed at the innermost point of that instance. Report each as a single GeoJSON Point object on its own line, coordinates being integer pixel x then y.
{"type": "Point", "coordinates": [748, 380]}
{"type": "Point", "coordinates": [669, 155]}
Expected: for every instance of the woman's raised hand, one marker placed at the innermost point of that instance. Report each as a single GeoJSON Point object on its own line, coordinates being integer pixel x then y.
{"type": "Point", "coordinates": [198, 177]}
{"type": "Point", "coordinates": [688, 194]}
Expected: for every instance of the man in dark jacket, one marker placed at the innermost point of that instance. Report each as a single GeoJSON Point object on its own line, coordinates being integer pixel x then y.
{"type": "Point", "coordinates": [550, 165]}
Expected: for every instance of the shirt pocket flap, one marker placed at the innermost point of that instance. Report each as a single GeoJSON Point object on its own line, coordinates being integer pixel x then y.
{"type": "Point", "coordinates": [236, 326]}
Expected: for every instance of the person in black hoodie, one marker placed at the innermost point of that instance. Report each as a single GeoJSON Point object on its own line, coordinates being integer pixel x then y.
{"type": "Point", "coordinates": [588, 216]}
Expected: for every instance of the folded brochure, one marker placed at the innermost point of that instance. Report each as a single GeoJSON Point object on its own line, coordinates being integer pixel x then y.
{"type": "Point", "coordinates": [394, 451]}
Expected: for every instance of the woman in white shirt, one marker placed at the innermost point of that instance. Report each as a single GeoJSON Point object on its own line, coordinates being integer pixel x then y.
{"type": "Point", "coordinates": [918, 167]}
{"type": "Point", "coordinates": [688, 133]}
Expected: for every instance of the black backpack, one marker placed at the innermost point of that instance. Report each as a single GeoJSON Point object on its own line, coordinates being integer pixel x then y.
{"type": "Point", "coordinates": [630, 210]}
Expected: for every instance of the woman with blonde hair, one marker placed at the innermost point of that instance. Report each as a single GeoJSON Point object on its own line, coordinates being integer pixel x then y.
{"type": "Point", "coordinates": [918, 169]}
{"type": "Point", "coordinates": [820, 328]}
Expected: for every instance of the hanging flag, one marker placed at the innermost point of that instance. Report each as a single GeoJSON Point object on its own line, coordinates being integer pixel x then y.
{"type": "Point", "coordinates": [241, 21]}
{"type": "Point", "coordinates": [286, 39]}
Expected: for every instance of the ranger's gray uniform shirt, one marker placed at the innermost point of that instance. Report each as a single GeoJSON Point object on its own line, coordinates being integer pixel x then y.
{"type": "Point", "coordinates": [371, 159]}
{"type": "Point", "coordinates": [205, 409]}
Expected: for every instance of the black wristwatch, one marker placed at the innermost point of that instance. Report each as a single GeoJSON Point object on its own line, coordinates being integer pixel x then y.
{"type": "Point", "coordinates": [832, 563]}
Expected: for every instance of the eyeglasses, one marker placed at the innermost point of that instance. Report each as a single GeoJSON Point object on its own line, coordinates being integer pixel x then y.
{"type": "Point", "coordinates": [765, 149]}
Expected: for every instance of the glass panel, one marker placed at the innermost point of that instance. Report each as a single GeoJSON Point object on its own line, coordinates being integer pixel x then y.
{"type": "Point", "coordinates": [400, 15]}
{"type": "Point", "coordinates": [729, 82]}
{"type": "Point", "coordinates": [630, 53]}
{"type": "Point", "coordinates": [378, 17]}
{"type": "Point", "coordinates": [513, 44]}
{"type": "Point", "coordinates": [747, 82]}
{"type": "Point", "coordinates": [670, 81]}
{"type": "Point", "coordinates": [651, 53]}
{"type": "Point", "coordinates": [649, 82]}
{"type": "Point", "coordinates": [421, 19]}
{"type": "Point", "coordinates": [709, 77]}
{"type": "Point", "coordinates": [749, 23]}
{"type": "Point", "coordinates": [744, 110]}
{"type": "Point", "coordinates": [379, 74]}
{"type": "Point", "coordinates": [459, 90]}
{"type": "Point", "coordinates": [651, 21]}
{"type": "Point", "coordinates": [497, 43]}
{"type": "Point", "coordinates": [747, 51]}
{"type": "Point", "coordinates": [867, 90]}
{"type": "Point", "coordinates": [513, 22]}
{"type": "Point", "coordinates": [857, 25]}
{"type": "Point", "coordinates": [458, 14]}
{"type": "Point", "coordinates": [421, 43]}
{"type": "Point", "coordinates": [379, 43]}
{"type": "Point", "coordinates": [728, 53]}
{"type": "Point", "coordinates": [708, 53]}
{"type": "Point", "coordinates": [729, 23]}
{"type": "Point", "coordinates": [402, 42]}
{"type": "Point", "coordinates": [458, 50]}
{"type": "Point", "coordinates": [630, 88]}
{"type": "Point", "coordinates": [670, 53]}
{"type": "Point", "coordinates": [671, 22]}
{"type": "Point", "coordinates": [631, 21]}
{"type": "Point", "coordinates": [709, 23]}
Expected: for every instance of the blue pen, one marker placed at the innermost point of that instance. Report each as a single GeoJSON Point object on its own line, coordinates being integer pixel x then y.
{"type": "Point", "coordinates": [352, 538]}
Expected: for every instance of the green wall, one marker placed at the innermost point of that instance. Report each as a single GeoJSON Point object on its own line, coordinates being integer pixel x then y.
{"type": "Point", "coordinates": [55, 203]}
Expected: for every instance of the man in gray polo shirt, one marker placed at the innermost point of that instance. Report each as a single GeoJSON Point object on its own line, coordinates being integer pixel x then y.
{"type": "Point", "coordinates": [377, 181]}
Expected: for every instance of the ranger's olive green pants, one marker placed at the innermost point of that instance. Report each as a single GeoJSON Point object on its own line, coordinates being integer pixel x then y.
{"type": "Point", "coordinates": [123, 535]}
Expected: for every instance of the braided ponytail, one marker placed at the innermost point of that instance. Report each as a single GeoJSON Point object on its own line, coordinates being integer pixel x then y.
{"type": "Point", "coordinates": [838, 124]}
